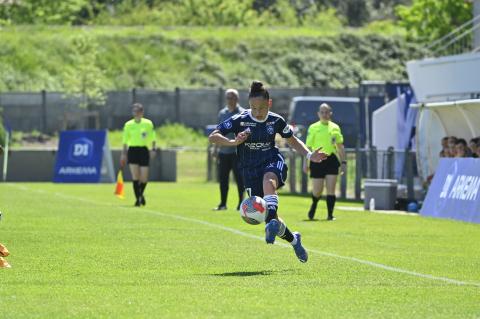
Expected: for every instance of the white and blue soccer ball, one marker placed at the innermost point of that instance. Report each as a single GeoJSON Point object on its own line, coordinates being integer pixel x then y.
{"type": "Point", "coordinates": [253, 210]}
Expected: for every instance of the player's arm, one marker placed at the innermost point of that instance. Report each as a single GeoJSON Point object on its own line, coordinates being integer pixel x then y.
{"type": "Point", "coordinates": [217, 138]}
{"type": "Point", "coordinates": [300, 147]}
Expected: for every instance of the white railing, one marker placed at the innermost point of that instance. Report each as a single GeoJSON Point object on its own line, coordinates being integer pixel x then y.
{"type": "Point", "coordinates": [459, 41]}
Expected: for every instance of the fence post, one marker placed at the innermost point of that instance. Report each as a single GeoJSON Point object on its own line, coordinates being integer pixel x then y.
{"type": "Point", "coordinates": [358, 173]}
{"type": "Point", "coordinates": [304, 187]}
{"type": "Point", "coordinates": [177, 105]}
{"type": "Point", "coordinates": [409, 173]}
{"type": "Point", "coordinates": [390, 163]}
{"type": "Point", "coordinates": [209, 163]}
{"type": "Point", "coordinates": [293, 176]}
{"type": "Point", "coordinates": [134, 95]}
{"type": "Point", "coordinates": [44, 111]}
{"type": "Point", "coordinates": [221, 98]}
{"type": "Point", "coordinates": [343, 183]}
{"type": "Point", "coordinates": [373, 162]}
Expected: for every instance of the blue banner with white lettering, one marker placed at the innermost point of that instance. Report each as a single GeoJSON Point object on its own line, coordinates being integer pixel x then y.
{"type": "Point", "coordinates": [79, 157]}
{"type": "Point", "coordinates": [455, 190]}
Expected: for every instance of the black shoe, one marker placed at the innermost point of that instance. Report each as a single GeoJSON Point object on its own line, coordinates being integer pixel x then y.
{"type": "Point", "coordinates": [220, 207]}
{"type": "Point", "coordinates": [142, 200]}
{"type": "Point", "coordinates": [311, 212]}
{"type": "Point", "coordinates": [137, 203]}
{"type": "Point", "coordinates": [331, 218]}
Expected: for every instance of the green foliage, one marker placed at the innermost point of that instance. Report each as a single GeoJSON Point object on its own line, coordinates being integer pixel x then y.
{"type": "Point", "coordinates": [428, 20]}
{"type": "Point", "coordinates": [121, 58]}
{"type": "Point", "coordinates": [84, 78]}
{"type": "Point", "coordinates": [42, 11]}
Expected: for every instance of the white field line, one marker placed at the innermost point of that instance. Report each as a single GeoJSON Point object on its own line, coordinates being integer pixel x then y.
{"type": "Point", "coordinates": [241, 233]}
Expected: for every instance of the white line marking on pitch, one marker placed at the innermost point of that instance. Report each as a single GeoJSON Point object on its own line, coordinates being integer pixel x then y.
{"type": "Point", "coordinates": [238, 232]}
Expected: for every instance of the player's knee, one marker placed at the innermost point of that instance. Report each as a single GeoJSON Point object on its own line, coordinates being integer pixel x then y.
{"type": "Point", "coordinates": [270, 181]}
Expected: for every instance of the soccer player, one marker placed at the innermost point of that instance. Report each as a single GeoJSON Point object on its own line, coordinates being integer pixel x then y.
{"type": "Point", "coordinates": [227, 155]}
{"type": "Point", "coordinates": [138, 135]}
{"type": "Point", "coordinates": [326, 135]}
{"type": "Point", "coordinates": [262, 166]}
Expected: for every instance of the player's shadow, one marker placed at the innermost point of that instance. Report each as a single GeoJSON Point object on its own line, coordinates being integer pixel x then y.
{"type": "Point", "coordinates": [250, 273]}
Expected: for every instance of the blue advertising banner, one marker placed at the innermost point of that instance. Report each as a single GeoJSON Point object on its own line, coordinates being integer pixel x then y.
{"type": "Point", "coordinates": [455, 190]}
{"type": "Point", "coordinates": [79, 157]}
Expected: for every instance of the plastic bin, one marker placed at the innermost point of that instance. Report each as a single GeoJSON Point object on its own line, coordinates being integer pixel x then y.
{"type": "Point", "coordinates": [384, 191]}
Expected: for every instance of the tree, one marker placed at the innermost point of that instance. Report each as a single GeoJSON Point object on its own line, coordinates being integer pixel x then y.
{"type": "Point", "coordinates": [84, 79]}
{"type": "Point", "coordinates": [428, 20]}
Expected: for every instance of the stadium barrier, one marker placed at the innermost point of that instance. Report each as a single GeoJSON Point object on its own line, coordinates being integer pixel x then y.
{"type": "Point", "coordinates": [455, 190]}
{"type": "Point", "coordinates": [33, 165]}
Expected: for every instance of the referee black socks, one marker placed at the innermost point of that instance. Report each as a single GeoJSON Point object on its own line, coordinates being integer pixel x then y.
{"type": "Point", "coordinates": [313, 207]}
{"type": "Point", "coordinates": [331, 205]}
{"type": "Point", "coordinates": [136, 189]}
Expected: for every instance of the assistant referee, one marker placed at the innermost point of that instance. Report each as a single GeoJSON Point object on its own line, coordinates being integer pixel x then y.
{"type": "Point", "coordinates": [138, 135]}
{"type": "Point", "coordinates": [326, 135]}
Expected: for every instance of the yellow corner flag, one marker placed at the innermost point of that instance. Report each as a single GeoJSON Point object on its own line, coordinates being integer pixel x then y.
{"type": "Point", "coordinates": [119, 192]}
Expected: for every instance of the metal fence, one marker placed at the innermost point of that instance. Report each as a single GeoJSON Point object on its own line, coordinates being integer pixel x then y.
{"type": "Point", "coordinates": [50, 112]}
{"type": "Point", "coordinates": [362, 164]}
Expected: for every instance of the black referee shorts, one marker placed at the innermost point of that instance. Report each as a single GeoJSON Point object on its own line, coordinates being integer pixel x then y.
{"type": "Point", "coordinates": [326, 167]}
{"type": "Point", "coordinates": [138, 155]}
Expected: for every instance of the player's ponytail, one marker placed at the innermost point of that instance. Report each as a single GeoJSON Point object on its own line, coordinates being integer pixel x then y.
{"type": "Point", "coordinates": [258, 90]}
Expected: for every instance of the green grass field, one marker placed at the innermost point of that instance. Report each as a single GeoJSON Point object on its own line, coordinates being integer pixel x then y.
{"type": "Point", "coordinates": [79, 252]}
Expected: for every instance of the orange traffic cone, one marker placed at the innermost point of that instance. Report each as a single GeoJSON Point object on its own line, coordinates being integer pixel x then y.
{"type": "Point", "coordinates": [4, 251]}
{"type": "Point", "coordinates": [119, 191]}
{"type": "Point", "coordinates": [4, 263]}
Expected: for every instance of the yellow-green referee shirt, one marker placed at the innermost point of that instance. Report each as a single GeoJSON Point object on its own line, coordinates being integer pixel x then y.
{"type": "Point", "coordinates": [326, 136]}
{"type": "Point", "coordinates": [139, 134]}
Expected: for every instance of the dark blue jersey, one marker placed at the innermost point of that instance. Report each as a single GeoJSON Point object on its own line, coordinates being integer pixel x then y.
{"type": "Point", "coordinates": [259, 149]}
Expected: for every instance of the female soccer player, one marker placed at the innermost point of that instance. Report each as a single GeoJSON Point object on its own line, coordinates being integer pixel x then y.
{"type": "Point", "coordinates": [262, 166]}
{"type": "Point", "coordinates": [138, 134]}
{"type": "Point", "coordinates": [326, 135]}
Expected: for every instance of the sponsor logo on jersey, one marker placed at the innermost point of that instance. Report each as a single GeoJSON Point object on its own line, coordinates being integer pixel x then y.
{"type": "Point", "coordinates": [258, 145]}
{"type": "Point", "coordinates": [228, 124]}
{"type": "Point", "coordinates": [287, 129]}
{"type": "Point", "coordinates": [270, 129]}
{"type": "Point", "coordinates": [248, 124]}
{"type": "Point", "coordinates": [270, 123]}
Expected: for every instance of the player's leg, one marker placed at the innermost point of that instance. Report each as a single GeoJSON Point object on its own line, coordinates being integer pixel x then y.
{"type": "Point", "coordinates": [332, 170]}
{"type": "Point", "coordinates": [331, 197]}
{"type": "Point", "coordinates": [272, 224]}
{"type": "Point", "coordinates": [317, 174]}
{"type": "Point", "coordinates": [238, 180]}
{"type": "Point", "coordinates": [275, 226]}
{"type": "Point", "coordinates": [223, 175]}
{"type": "Point", "coordinates": [135, 172]}
{"type": "Point", "coordinates": [317, 190]}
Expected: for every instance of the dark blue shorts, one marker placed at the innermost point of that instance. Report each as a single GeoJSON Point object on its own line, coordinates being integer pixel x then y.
{"type": "Point", "coordinates": [253, 178]}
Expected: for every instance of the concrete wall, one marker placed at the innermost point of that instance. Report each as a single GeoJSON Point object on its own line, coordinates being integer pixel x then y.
{"type": "Point", "coordinates": [38, 165]}
{"type": "Point", "coordinates": [50, 112]}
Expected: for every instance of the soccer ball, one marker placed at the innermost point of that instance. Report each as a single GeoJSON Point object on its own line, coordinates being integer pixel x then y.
{"type": "Point", "coordinates": [253, 210]}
